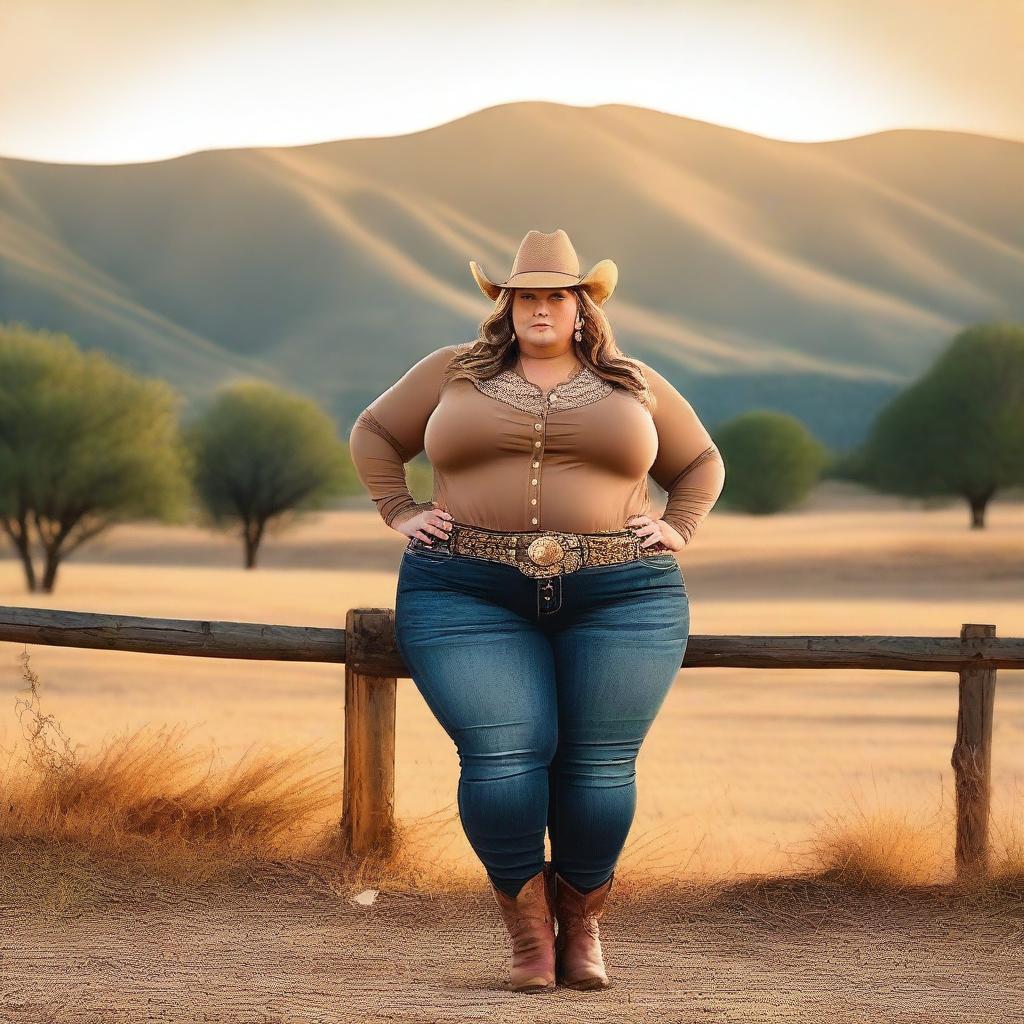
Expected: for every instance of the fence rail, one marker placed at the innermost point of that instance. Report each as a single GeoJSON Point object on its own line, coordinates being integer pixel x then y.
{"type": "Point", "coordinates": [366, 647]}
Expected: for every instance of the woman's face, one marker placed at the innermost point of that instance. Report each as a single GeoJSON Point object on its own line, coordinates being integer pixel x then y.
{"type": "Point", "coordinates": [555, 307]}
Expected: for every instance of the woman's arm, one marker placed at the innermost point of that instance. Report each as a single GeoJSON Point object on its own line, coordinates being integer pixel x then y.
{"type": "Point", "coordinates": [688, 465]}
{"type": "Point", "coordinates": [389, 433]}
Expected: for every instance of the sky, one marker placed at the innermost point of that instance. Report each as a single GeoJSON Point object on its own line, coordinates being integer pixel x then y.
{"type": "Point", "coordinates": [124, 81]}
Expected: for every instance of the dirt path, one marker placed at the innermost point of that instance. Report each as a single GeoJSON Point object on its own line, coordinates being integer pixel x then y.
{"type": "Point", "coordinates": [288, 952]}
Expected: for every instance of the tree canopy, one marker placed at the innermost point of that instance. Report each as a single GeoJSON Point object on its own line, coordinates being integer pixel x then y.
{"type": "Point", "coordinates": [260, 452]}
{"type": "Point", "coordinates": [84, 443]}
{"type": "Point", "coordinates": [771, 461]}
{"type": "Point", "coordinates": [959, 430]}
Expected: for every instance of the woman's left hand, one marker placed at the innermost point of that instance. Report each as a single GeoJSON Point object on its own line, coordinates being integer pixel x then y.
{"type": "Point", "coordinates": [652, 531]}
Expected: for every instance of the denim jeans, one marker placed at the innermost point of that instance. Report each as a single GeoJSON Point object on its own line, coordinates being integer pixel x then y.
{"type": "Point", "coordinates": [547, 688]}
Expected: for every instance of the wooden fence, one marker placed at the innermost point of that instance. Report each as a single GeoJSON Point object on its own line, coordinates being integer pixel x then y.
{"type": "Point", "coordinates": [366, 647]}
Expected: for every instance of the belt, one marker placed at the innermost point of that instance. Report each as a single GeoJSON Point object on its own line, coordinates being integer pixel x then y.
{"type": "Point", "coordinates": [541, 554]}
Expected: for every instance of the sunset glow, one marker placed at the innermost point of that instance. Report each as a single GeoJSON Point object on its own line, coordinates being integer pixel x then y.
{"type": "Point", "coordinates": [112, 81]}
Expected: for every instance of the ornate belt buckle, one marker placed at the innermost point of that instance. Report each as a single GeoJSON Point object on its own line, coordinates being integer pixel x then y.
{"type": "Point", "coordinates": [545, 551]}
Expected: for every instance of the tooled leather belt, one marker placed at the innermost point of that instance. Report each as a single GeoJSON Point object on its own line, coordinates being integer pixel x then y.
{"type": "Point", "coordinates": [540, 554]}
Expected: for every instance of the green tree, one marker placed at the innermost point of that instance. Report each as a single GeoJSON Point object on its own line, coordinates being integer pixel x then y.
{"type": "Point", "coordinates": [959, 430]}
{"type": "Point", "coordinates": [771, 461]}
{"type": "Point", "coordinates": [84, 444]}
{"type": "Point", "coordinates": [260, 452]}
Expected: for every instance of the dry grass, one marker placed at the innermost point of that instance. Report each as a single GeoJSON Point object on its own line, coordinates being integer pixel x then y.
{"type": "Point", "coordinates": [147, 809]}
{"type": "Point", "coordinates": [147, 802]}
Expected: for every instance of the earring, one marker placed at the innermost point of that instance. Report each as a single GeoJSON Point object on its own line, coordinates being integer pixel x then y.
{"type": "Point", "coordinates": [579, 329]}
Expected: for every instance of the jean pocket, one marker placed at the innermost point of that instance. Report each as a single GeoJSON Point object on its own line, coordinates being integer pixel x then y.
{"type": "Point", "coordinates": [661, 561]}
{"type": "Point", "coordinates": [420, 549]}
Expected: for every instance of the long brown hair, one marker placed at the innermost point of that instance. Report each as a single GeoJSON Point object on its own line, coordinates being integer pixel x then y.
{"type": "Point", "coordinates": [496, 348]}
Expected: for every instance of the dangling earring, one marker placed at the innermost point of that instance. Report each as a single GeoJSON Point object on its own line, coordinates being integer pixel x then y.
{"type": "Point", "coordinates": [579, 328]}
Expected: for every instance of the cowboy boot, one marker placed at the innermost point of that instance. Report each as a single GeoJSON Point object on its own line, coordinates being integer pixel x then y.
{"type": "Point", "coordinates": [530, 922]}
{"type": "Point", "coordinates": [578, 957]}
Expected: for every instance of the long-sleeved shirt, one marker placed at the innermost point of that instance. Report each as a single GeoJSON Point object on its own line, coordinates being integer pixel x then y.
{"type": "Point", "coordinates": [508, 456]}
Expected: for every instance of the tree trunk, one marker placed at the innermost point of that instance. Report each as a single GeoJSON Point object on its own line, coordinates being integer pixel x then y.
{"type": "Point", "coordinates": [26, 561]}
{"type": "Point", "coordinates": [50, 571]}
{"type": "Point", "coordinates": [253, 536]}
{"type": "Point", "coordinates": [20, 540]}
{"type": "Point", "coordinates": [978, 503]}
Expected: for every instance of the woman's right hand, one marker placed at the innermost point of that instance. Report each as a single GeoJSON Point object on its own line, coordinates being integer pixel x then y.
{"type": "Point", "coordinates": [426, 525]}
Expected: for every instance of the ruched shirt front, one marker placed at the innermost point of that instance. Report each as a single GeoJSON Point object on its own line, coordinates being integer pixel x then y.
{"type": "Point", "coordinates": [508, 456]}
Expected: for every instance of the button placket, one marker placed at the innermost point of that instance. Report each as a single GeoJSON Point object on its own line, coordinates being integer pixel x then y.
{"type": "Point", "coordinates": [533, 490]}
{"type": "Point", "coordinates": [538, 445]}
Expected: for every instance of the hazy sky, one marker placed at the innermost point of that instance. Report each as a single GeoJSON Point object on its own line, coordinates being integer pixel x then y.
{"type": "Point", "coordinates": [110, 81]}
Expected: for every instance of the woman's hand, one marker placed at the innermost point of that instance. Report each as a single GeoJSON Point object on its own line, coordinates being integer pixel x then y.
{"type": "Point", "coordinates": [654, 531]}
{"type": "Point", "coordinates": [426, 525]}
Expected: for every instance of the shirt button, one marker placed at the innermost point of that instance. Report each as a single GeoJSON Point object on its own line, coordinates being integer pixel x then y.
{"type": "Point", "coordinates": [537, 426]}
{"type": "Point", "coordinates": [534, 481]}
{"type": "Point", "coordinates": [536, 464]}
{"type": "Point", "coordinates": [534, 522]}
{"type": "Point", "coordinates": [536, 444]}
{"type": "Point", "coordinates": [533, 501]}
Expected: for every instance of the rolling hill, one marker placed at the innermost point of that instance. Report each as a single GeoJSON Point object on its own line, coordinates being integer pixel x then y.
{"type": "Point", "coordinates": [811, 277]}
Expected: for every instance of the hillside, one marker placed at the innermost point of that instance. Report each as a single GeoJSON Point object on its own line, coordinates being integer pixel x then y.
{"type": "Point", "coordinates": [815, 278]}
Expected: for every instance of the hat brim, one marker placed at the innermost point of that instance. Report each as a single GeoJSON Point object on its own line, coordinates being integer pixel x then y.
{"type": "Point", "coordinates": [599, 281]}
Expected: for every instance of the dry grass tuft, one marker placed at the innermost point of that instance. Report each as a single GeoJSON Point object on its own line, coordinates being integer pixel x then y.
{"type": "Point", "coordinates": [882, 851]}
{"type": "Point", "coordinates": [146, 803]}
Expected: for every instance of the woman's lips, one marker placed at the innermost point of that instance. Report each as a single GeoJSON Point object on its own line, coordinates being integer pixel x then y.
{"type": "Point", "coordinates": [542, 325]}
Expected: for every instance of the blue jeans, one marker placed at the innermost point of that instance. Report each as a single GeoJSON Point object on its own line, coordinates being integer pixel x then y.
{"type": "Point", "coordinates": [547, 688]}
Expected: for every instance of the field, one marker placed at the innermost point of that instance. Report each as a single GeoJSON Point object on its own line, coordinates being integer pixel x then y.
{"type": "Point", "coordinates": [747, 776]}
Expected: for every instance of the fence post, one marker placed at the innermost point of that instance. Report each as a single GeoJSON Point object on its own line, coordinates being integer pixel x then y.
{"type": "Point", "coordinates": [972, 761]}
{"type": "Point", "coordinates": [368, 802]}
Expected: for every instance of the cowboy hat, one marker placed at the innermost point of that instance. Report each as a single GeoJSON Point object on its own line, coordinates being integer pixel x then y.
{"type": "Point", "coordinates": [549, 261]}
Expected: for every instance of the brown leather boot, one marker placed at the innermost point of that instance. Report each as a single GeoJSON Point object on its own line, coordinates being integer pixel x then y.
{"type": "Point", "coordinates": [531, 925]}
{"type": "Point", "coordinates": [578, 957]}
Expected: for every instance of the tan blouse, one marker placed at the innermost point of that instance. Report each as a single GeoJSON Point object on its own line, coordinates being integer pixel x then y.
{"type": "Point", "coordinates": [508, 457]}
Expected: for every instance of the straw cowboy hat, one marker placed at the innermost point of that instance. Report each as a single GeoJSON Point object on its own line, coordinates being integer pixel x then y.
{"type": "Point", "coordinates": [550, 261]}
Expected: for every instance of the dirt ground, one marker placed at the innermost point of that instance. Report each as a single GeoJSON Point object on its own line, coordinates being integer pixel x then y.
{"type": "Point", "coordinates": [288, 950]}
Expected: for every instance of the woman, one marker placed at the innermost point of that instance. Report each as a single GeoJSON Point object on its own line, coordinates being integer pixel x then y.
{"type": "Point", "coordinates": [540, 609]}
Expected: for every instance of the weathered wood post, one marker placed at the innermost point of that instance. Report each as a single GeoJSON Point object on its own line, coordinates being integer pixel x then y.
{"type": "Point", "coordinates": [972, 761]}
{"type": "Point", "coordinates": [368, 803]}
